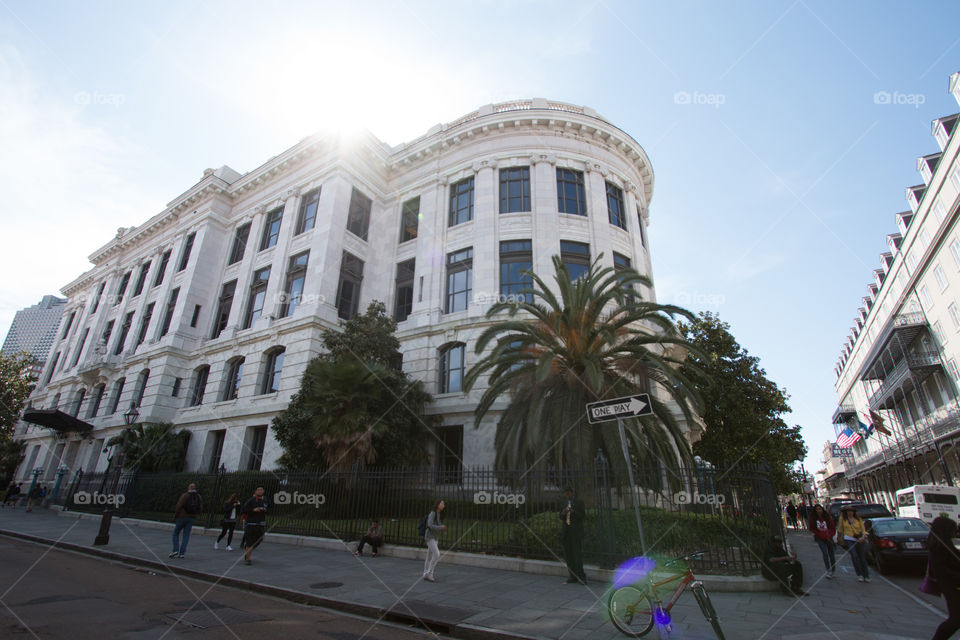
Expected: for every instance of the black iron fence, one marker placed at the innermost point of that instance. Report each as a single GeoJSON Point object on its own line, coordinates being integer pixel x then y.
{"type": "Point", "coordinates": [728, 513]}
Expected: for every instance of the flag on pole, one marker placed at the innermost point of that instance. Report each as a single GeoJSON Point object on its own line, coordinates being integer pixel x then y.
{"type": "Point", "coordinates": [847, 438]}
{"type": "Point", "coordinates": [877, 421]}
{"type": "Point", "coordinates": [866, 430]}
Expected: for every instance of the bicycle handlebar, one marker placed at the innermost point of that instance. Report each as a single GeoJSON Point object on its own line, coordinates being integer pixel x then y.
{"type": "Point", "coordinates": [684, 558]}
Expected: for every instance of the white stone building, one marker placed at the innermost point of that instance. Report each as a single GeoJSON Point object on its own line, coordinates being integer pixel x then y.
{"type": "Point", "coordinates": [900, 359]}
{"type": "Point", "coordinates": [207, 314]}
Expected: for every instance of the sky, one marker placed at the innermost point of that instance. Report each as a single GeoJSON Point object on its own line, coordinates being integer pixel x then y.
{"type": "Point", "coordinates": [782, 134]}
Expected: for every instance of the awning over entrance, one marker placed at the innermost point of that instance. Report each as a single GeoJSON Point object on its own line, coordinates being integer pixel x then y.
{"type": "Point", "coordinates": [56, 420]}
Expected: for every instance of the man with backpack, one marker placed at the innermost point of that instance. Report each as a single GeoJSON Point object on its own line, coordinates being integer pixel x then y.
{"type": "Point", "coordinates": [185, 514]}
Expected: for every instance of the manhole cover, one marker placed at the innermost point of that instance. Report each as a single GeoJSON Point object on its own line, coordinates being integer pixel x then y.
{"type": "Point", "coordinates": [326, 585]}
{"type": "Point", "coordinates": [203, 618]}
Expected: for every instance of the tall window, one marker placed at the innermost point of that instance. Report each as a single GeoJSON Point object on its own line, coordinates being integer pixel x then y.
{"type": "Point", "coordinates": [459, 279]}
{"type": "Point", "coordinates": [955, 252]}
{"type": "Point", "coordinates": [83, 341]}
{"type": "Point", "coordinates": [348, 289]}
{"type": "Point", "coordinates": [98, 393]}
{"type": "Point", "coordinates": [450, 454]}
{"type": "Point", "coordinates": [293, 287]}
{"type": "Point", "coordinates": [69, 323]}
{"type": "Point", "coordinates": [162, 268]}
{"type": "Point", "coordinates": [96, 300]}
{"type": "Point", "coordinates": [216, 449]}
{"type": "Point", "coordinates": [461, 202]}
{"type": "Point", "coordinates": [78, 401]}
{"type": "Point", "coordinates": [643, 231]}
{"type": "Point", "coordinates": [615, 208]}
{"type": "Point", "coordinates": [141, 387]}
{"type": "Point", "coordinates": [121, 288]}
{"type": "Point", "coordinates": [410, 219]}
{"type": "Point", "coordinates": [570, 195]}
{"type": "Point", "coordinates": [452, 368]}
{"type": "Point", "coordinates": [258, 442]}
{"type": "Point", "coordinates": [271, 228]}
{"type": "Point", "coordinates": [514, 189]}
{"type": "Point", "coordinates": [404, 298]}
{"type": "Point", "coordinates": [620, 262]}
{"type": "Point", "coordinates": [224, 304]}
{"type": "Point", "coordinates": [168, 314]}
{"type": "Point", "coordinates": [231, 383]}
{"type": "Point", "coordinates": [185, 254]}
{"type": "Point", "coordinates": [516, 256]}
{"type": "Point", "coordinates": [105, 337]}
{"type": "Point", "coordinates": [196, 315]}
{"type": "Point", "coordinates": [141, 279]}
{"type": "Point", "coordinates": [272, 369]}
{"type": "Point", "coordinates": [307, 218]}
{"type": "Point", "coordinates": [358, 218]}
{"type": "Point", "coordinates": [576, 257]}
{"type": "Point", "coordinates": [145, 324]}
{"type": "Point", "coordinates": [257, 296]}
{"type": "Point", "coordinates": [940, 276]}
{"type": "Point", "coordinates": [124, 330]}
{"type": "Point", "coordinates": [51, 368]}
{"type": "Point", "coordinates": [239, 243]}
{"type": "Point", "coordinates": [954, 315]}
{"type": "Point", "coordinates": [200, 377]}
{"type": "Point", "coordinates": [117, 392]}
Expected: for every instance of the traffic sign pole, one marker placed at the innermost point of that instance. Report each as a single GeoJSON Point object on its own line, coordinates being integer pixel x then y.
{"type": "Point", "coordinates": [633, 485]}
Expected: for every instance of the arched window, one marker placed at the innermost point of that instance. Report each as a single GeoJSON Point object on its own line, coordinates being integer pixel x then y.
{"type": "Point", "coordinates": [452, 367]}
{"type": "Point", "coordinates": [231, 382]}
{"type": "Point", "coordinates": [141, 387]}
{"type": "Point", "coordinates": [200, 376]}
{"type": "Point", "coordinates": [273, 367]}
{"type": "Point", "coordinates": [98, 393]}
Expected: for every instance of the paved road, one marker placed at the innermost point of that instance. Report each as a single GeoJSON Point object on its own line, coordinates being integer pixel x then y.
{"type": "Point", "coordinates": [56, 594]}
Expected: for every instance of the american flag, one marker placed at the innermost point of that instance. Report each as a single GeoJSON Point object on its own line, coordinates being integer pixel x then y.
{"type": "Point", "coordinates": [847, 438]}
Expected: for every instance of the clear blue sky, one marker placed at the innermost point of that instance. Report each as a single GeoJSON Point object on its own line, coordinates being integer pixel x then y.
{"type": "Point", "coordinates": [775, 186]}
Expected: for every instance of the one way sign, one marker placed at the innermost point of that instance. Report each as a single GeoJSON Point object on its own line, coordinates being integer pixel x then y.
{"type": "Point", "coordinates": [626, 407]}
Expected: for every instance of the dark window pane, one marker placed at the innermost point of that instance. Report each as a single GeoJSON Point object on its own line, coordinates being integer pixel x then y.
{"type": "Point", "coordinates": [570, 193]}
{"type": "Point", "coordinates": [271, 228]}
{"type": "Point", "coordinates": [514, 189]}
{"type": "Point", "coordinates": [410, 219]}
{"type": "Point", "coordinates": [358, 218]}
{"type": "Point", "coordinates": [239, 243]}
{"type": "Point", "coordinates": [461, 202]}
{"type": "Point", "coordinates": [307, 218]}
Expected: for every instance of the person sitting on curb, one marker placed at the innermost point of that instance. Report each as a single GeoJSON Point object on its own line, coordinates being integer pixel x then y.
{"type": "Point", "coordinates": [373, 537]}
{"type": "Point", "coordinates": [783, 567]}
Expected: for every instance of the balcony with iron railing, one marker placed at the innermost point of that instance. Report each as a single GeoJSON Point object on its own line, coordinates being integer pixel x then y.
{"type": "Point", "coordinates": [918, 363]}
{"type": "Point", "coordinates": [937, 426]}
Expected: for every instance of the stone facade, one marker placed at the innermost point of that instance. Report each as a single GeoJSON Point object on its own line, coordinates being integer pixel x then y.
{"type": "Point", "coordinates": [541, 137]}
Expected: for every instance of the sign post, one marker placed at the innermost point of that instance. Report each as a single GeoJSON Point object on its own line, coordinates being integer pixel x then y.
{"type": "Point", "coordinates": [617, 409]}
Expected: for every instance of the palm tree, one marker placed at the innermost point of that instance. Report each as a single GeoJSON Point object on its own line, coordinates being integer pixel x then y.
{"type": "Point", "coordinates": [154, 447]}
{"type": "Point", "coordinates": [589, 339]}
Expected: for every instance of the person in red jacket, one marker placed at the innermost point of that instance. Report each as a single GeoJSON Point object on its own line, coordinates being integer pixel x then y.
{"type": "Point", "coordinates": [823, 528]}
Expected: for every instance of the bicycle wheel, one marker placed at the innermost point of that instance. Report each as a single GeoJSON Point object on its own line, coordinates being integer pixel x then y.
{"type": "Point", "coordinates": [706, 606]}
{"type": "Point", "coordinates": [631, 611]}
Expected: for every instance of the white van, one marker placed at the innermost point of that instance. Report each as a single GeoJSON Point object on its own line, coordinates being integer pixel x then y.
{"type": "Point", "coordinates": [927, 501]}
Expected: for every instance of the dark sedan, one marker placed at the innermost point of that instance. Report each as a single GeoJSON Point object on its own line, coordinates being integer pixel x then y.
{"type": "Point", "coordinates": [897, 541]}
{"type": "Point", "coordinates": [864, 511]}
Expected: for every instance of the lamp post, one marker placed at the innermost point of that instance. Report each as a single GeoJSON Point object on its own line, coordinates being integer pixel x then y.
{"type": "Point", "coordinates": [103, 536]}
{"type": "Point", "coordinates": [61, 471]}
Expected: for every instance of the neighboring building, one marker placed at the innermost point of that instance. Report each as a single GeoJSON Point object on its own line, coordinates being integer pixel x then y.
{"type": "Point", "coordinates": [832, 482]}
{"type": "Point", "coordinates": [901, 356]}
{"type": "Point", "coordinates": [34, 330]}
{"type": "Point", "coordinates": [207, 314]}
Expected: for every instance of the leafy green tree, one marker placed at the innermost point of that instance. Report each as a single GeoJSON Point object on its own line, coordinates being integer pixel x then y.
{"type": "Point", "coordinates": [154, 447]}
{"type": "Point", "coordinates": [355, 404]}
{"type": "Point", "coordinates": [742, 407]}
{"type": "Point", "coordinates": [589, 339]}
{"type": "Point", "coordinates": [16, 383]}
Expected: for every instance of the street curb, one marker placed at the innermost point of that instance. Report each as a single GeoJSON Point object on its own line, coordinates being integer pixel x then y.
{"type": "Point", "coordinates": [464, 631]}
{"type": "Point", "coordinates": [713, 583]}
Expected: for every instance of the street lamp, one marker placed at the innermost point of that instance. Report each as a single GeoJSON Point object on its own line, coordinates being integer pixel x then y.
{"type": "Point", "coordinates": [103, 536]}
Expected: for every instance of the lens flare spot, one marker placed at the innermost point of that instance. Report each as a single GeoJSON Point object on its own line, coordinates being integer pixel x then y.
{"type": "Point", "coordinates": [633, 570]}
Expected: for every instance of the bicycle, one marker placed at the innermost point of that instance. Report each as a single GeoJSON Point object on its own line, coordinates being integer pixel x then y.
{"type": "Point", "coordinates": [635, 608]}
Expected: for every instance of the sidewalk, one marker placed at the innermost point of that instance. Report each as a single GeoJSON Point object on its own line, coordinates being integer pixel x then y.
{"type": "Point", "coordinates": [475, 602]}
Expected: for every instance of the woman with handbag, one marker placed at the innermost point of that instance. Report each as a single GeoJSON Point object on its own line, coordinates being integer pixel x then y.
{"type": "Point", "coordinates": [943, 568]}
{"type": "Point", "coordinates": [823, 529]}
{"type": "Point", "coordinates": [851, 535]}
{"type": "Point", "coordinates": [229, 521]}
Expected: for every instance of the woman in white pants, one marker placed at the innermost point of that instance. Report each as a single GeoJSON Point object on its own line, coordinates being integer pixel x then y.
{"type": "Point", "coordinates": [434, 527]}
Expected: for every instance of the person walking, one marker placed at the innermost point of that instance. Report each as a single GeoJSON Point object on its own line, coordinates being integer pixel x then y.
{"type": "Point", "coordinates": [433, 530]}
{"type": "Point", "coordinates": [228, 523]}
{"type": "Point", "coordinates": [792, 514]}
{"type": "Point", "coordinates": [783, 567]}
{"type": "Point", "coordinates": [823, 528]}
{"type": "Point", "coordinates": [852, 537]}
{"type": "Point", "coordinates": [185, 513]}
{"type": "Point", "coordinates": [33, 496]}
{"type": "Point", "coordinates": [255, 515]}
{"type": "Point", "coordinates": [943, 567]}
{"type": "Point", "coordinates": [373, 537]}
{"type": "Point", "coordinates": [572, 516]}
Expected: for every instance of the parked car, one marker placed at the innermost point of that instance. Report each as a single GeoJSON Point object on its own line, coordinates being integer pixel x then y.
{"type": "Point", "coordinates": [836, 505]}
{"type": "Point", "coordinates": [897, 541]}
{"type": "Point", "coordinates": [865, 511]}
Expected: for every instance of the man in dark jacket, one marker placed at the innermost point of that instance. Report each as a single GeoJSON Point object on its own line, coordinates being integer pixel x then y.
{"type": "Point", "coordinates": [185, 514]}
{"type": "Point", "coordinates": [255, 512]}
{"type": "Point", "coordinates": [783, 567]}
{"type": "Point", "coordinates": [572, 516]}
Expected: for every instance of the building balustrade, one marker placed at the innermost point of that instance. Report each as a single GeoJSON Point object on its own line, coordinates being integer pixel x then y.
{"type": "Point", "coordinates": [914, 361]}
